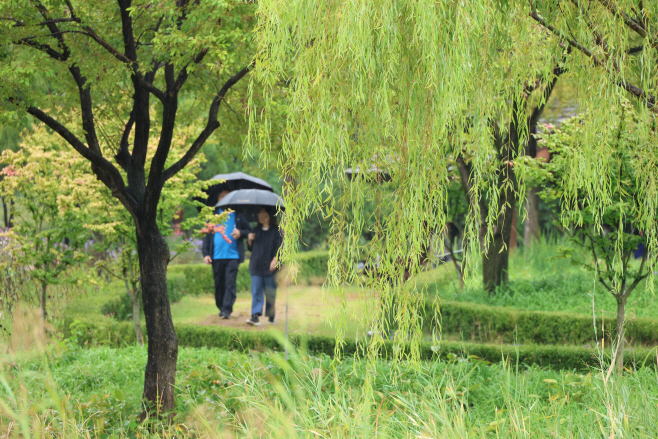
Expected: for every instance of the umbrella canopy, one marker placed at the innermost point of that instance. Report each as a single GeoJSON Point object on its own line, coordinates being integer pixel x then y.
{"type": "Point", "coordinates": [233, 182]}
{"type": "Point", "coordinates": [250, 202]}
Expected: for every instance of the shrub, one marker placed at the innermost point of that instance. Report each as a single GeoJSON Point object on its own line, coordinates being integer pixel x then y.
{"type": "Point", "coordinates": [120, 308]}
{"type": "Point", "coordinates": [312, 264]}
{"type": "Point", "coordinates": [197, 279]}
{"type": "Point", "coordinates": [107, 332]}
{"type": "Point", "coordinates": [482, 323]}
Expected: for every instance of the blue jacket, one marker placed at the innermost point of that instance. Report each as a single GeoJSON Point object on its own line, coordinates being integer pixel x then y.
{"type": "Point", "coordinates": [241, 223]}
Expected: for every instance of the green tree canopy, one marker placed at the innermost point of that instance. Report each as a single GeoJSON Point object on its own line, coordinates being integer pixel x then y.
{"type": "Point", "coordinates": [401, 84]}
{"type": "Point", "coordinates": [105, 65]}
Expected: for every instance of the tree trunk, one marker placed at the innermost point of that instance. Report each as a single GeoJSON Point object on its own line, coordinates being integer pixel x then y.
{"type": "Point", "coordinates": [513, 233]}
{"type": "Point", "coordinates": [621, 344]}
{"type": "Point", "coordinates": [531, 226]}
{"type": "Point", "coordinates": [8, 213]}
{"type": "Point", "coordinates": [160, 374]}
{"type": "Point", "coordinates": [495, 264]}
{"type": "Point", "coordinates": [495, 260]}
{"type": "Point", "coordinates": [134, 297]}
{"type": "Point", "coordinates": [138, 327]}
{"type": "Point", "coordinates": [42, 301]}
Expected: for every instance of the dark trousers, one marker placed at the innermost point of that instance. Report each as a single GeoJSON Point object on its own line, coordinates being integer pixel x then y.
{"type": "Point", "coordinates": [225, 272]}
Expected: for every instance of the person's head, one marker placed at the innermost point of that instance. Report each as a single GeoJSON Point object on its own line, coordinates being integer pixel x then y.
{"type": "Point", "coordinates": [222, 194]}
{"type": "Point", "coordinates": [266, 217]}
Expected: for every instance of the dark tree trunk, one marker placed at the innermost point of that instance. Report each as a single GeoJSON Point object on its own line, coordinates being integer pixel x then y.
{"type": "Point", "coordinates": [495, 260]}
{"type": "Point", "coordinates": [531, 226]}
{"type": "Point", "coordinates": [42, 301]}
{"type": "Point", "coordinates": [8, 213]}
{"type": "Point", "coordinates": [134, 297]}
{"type": "Point", "coordinates": [621, 343]}
{"type": "Point", "coordinates": [513, 236]}
{"type": "Point", "coordinates": [160, 374]}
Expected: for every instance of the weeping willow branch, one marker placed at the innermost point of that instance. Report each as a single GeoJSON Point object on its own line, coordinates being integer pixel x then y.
{"type": "Point", "coordinates": [647, 99]}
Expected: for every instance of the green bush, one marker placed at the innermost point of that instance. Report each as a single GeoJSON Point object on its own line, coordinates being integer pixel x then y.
{"type": "Point", "coordinates": [176, 286]}
{"type": "Point", "coordinates": [482, 323]}
{"type": "Point", "coordinates": [197, 279]}
{"type": "Point", "coordinates": [312, 264]}
{"type": "Point", "coordinates": [120, 308]}
{"type": "Point", "coordinates": [107, 332]}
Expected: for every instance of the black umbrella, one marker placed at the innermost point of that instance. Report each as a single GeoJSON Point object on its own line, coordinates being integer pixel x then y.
{"type": "Point", "coordinates": [251, 201]}
{"type": "Point", "coordinates": [233, 182]}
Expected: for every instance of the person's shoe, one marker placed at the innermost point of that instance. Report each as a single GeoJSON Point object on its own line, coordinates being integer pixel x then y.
{"type": "Point", "coordinates": [271, 320]}
{"type": "Point", "coordinates": [253, 321]}
{"type": "Point", "coordinates": [226, 317]}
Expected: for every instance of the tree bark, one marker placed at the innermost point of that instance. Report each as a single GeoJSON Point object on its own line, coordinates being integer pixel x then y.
{"type": "Point", "coordinates": [42, 301]}
{"type": "Point", "coordinates": [495, 260]}
{"type": "Point", "coordinates": [160, 374]}
{"type": "Point", "coordinates": [621, 343]}
{"type": "Point", "coordinates": [531, 225]}
{"type": "Point", "coordinates": [134, 297]}
{"type": "Point", "coordinates": [8, 213]}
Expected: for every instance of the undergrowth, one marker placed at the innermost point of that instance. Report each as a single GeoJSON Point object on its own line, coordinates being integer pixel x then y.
{"type": "Point", "coordinates": [228, 394]}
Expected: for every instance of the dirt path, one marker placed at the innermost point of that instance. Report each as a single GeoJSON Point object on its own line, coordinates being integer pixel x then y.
{"type": "Point", "coordinates": [307, 312]}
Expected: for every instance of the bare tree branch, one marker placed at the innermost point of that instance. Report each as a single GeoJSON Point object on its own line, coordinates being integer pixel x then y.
{"type": "Point", "coordinates": [19, 23]}
{"type": "Point", "coordinates": [123, 155]}
{"type": "Point", "coordinates": [640, 277]}
{"type": "Point", "coordinates": [44, 48]}
{"type": "Point", "coordinates": [648, 99]}
{"type": "Point", "coordinates": [211, 125]}
{"type": "Point", "coordinates": [637, 26]}
{"type": "Point", "coordinates": [104, 44]}
{"type": "Point", "coordinates": [103, 169]}
{"type": "Point", "coordinates": [182, 76]}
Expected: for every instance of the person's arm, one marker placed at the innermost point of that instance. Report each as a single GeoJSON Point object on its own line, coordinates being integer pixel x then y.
{"type": "Point", "coordinates": [242, 226]}
{"type": "Point", "coordinates": [251, 237]}
{"type": "Point", "coordinates": [278, 240]}
{"type": "Point", "coordinates": [206, 248]}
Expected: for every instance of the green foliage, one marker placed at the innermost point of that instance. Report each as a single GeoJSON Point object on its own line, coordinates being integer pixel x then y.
{"type": "Point", "coordinates": [611, 232]}
{"type": "Point", "coordinates": [49, 185]}
{"type": "Point", "coordinates": [110, 333]}
{"type": "Point", "coordinates": [482, 323]}
{"type": "Point", "coordinates": [197, 279]}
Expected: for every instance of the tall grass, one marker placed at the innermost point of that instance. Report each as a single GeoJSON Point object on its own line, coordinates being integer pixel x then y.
{"type": "Point", "coordinates": [67, 392]}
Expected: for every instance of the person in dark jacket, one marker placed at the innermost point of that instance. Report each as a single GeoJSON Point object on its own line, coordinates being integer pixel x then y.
{"type": "Point", "coordinates": [224, 249]}
{"type": "Point", "coordinates": [264, 243]}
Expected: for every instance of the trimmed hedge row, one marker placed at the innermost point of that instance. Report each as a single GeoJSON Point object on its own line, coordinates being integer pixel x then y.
{"type": "Point", "coordinates": [109, 332]}
{"type": "Point", "coordinates": [482, 323]}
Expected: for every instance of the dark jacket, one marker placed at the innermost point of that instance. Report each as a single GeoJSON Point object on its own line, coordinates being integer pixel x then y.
{"type": "Point", "coordinates": [241, 223]}
{"type": "Point", "coordinates": [264, 248]}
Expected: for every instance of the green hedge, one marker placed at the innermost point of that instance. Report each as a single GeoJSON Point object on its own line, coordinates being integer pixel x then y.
{"type": "Point", "coordinates": [482, 323]}
{"type": "Point", "coordinates": [197, 279]}
{"type": "Point", "coordinates": [312, 264]}
{"type": "Point", "coordinates": [108, 332]}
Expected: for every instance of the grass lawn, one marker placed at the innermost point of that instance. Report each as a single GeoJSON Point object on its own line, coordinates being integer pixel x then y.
{"type": "Point", "coordinates": [261, 395]}
{"type": "Point", "coordinates": [540, 281]}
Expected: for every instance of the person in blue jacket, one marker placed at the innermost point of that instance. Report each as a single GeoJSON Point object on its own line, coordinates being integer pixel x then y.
{"type": "Point", "coordinates": [225, 251]}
